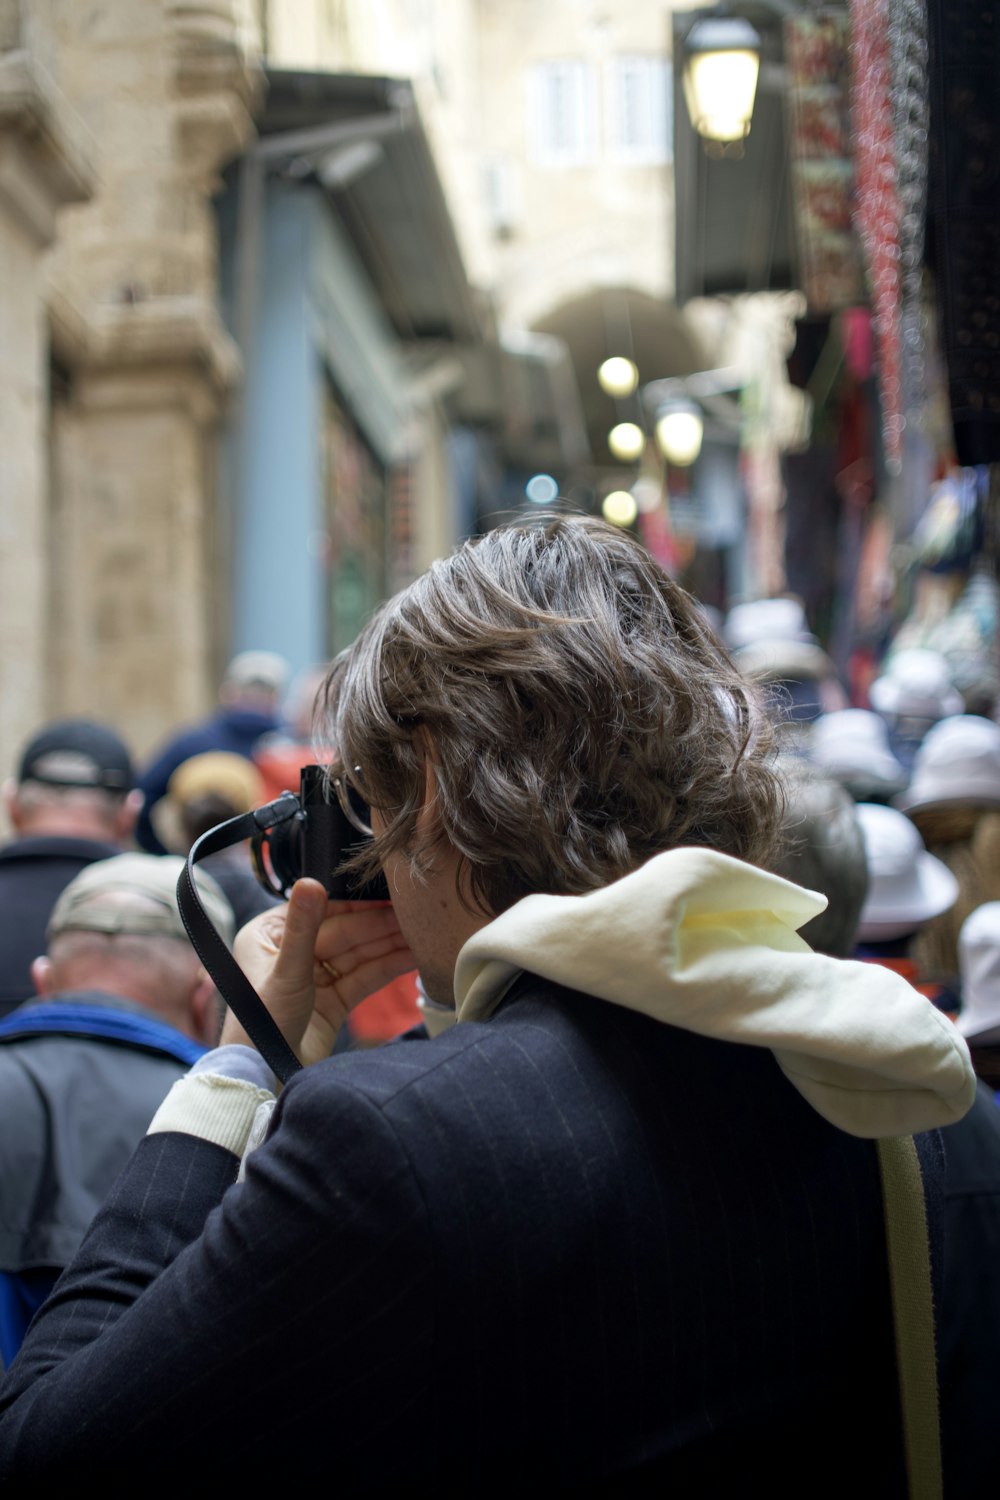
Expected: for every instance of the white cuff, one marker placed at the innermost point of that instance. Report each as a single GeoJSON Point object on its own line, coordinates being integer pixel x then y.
{"type": "Point", "coordinates": [213, 1108]}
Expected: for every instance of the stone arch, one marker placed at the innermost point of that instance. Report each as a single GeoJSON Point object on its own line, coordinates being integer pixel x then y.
{"type": "Point", "coordinates": [621, 320]}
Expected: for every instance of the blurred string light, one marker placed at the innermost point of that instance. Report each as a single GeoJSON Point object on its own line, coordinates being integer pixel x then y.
{"type": "Point", "coordinates": [619, 508]}
{"type": "Point", "coordinates": [618, 376]}
{"type": "Point", "coordinates": [679, 431]}
{"type": "Point", "coordinates": [626, 441]}
{"type": "Point", "coordinates": [541, 489]}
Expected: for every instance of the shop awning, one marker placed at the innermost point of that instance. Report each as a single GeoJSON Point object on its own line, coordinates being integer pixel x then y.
{"type": "Point", "coordinates": [363, 139]}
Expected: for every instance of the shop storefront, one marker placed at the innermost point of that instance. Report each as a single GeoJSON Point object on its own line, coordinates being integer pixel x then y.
{"type": "Point", "coordinates": [882, 201]}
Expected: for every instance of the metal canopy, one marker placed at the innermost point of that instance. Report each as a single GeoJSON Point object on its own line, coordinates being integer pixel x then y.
{"type": "Point", "coordinates": [361, 139]}
{"type": "Point", "coordinates": [389, 201]}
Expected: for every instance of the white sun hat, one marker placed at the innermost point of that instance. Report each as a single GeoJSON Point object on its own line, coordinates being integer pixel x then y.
{"type": "Point", "coordinates": [766, 620]}
{"type": "Point", "coordinates": [852, 746]}
{"type": "Point", "coordinates": [770, 638]}
{"type": "Point", "coordinates": [906, 885]}
{"type": "Point", "coordinates": [958, 763]}
{"type": "Point", "coordinates": [979, 964]}
{"type": "Point", "coordinates": [916, 685]}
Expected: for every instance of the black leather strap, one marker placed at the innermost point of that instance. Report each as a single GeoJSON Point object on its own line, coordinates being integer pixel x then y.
{"type": "Point", "coordinates": [230, 980]}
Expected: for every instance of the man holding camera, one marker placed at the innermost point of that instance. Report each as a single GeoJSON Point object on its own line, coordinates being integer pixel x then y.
{"type": "Point", "coordinates": [617, 1221]}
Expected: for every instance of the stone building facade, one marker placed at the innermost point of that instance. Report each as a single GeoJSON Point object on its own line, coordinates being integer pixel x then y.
{"type": "Point", "coordinates": [115, 119]}
{"type": "Point", "coordinates": [121, 381]}
{"type": "Point", "coordinates": [148, 478]}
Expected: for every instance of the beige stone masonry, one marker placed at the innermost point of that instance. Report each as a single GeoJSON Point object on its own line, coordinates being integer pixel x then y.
{"type": "Point", "coordinates": [134, 560]}
{"type": "Point", "coordinates": [115, 574]}
{"type": "Point", "coordinates": [44, 162]}
{"type": "Point", "coordinates": [44, 165]}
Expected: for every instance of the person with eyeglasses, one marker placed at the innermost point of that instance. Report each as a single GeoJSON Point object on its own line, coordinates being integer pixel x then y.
{"type": "Point", "coordinates": [615, 1220]}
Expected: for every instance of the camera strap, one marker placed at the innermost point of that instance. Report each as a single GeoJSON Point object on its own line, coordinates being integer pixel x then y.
{"type": "Point", "coordinates": [230, 980]}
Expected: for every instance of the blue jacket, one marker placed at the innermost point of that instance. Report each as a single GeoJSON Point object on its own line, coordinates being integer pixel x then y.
{"type": "Point", "coordinates": [234, 729]}
{"type": "Point", "coordinates": [81, 1076]}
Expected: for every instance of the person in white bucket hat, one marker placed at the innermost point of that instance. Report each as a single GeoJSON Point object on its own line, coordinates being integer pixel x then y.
{"type": "Point", "coordinates": [771, 642]}
{"type": "Point", "coordinates": [954, 801]}
{"type": "Point", "coordinates": [916, 684]}
{"type": "Point", "coordinates": [957, 764]}
{"type": "Point", "coordinates": [906, 885]}
{"type": "Point", "coordinates": [914, 692]}
{"type": "Point", "coordinates": [979, 960]}
{"type": "Point", "coordinates": [852, 746]}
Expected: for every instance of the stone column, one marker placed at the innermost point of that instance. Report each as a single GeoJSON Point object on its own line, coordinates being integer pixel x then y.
{"type": "Point", "coordinates": [169, 89]}
{"type": "Point", "coordinates": [43, 166]}
{"type": "Point", "coordinates": [135, 578]}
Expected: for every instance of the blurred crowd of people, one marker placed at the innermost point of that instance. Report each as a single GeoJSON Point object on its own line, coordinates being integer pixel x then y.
{"type": "Point", "coordinates": [103, 1001]}
{"type": "Point", "coordinates": [893, 813]}
{"type": "Point", "coordinates": [906, 793]}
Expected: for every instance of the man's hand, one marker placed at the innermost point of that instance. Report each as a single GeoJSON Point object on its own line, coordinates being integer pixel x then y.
{"type": "Point", "coordinates": [313, 960]}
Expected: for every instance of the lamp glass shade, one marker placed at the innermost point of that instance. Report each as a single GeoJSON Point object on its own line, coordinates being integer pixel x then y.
{"type": "Point", "coordinates": [719, 88]}
{"type": "Point", "coordinates": [679, 432]}
{"type": "Point", "coordinates": [626, 441]}
{"type": "Point", "coordinates": [618, 376]}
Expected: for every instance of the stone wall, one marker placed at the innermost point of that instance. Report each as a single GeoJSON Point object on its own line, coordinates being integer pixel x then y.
{"type": "Point", "coordinates": [114, 606]}
{"type": "Point", "coordinates": [44, 165]}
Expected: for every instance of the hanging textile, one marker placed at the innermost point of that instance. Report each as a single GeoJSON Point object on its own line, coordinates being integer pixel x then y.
{"type": "Point", "coordinates": [908, 67]}
{"type": "Point", "coordinates": [877, 208]}
{"type": "Point", "coordinates": [963, 246]}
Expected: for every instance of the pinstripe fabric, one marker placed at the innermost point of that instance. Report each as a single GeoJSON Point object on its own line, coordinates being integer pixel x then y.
{"type": "Point", "coordinates": [571, 1246]}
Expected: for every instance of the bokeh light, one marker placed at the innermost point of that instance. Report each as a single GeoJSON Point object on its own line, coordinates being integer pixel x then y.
{"type": "Point", "coordinates": [618, 376]}
{"type": "Point", "coordinates": [626, 441]}
{"type": "Point", "coordinates": [541, 489]}
{"type": "Point", "coordinates": [619, 508]}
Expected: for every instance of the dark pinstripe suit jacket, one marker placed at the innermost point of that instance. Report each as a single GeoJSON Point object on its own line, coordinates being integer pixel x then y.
{"type": "Point", "coordinates": [571, 1246]}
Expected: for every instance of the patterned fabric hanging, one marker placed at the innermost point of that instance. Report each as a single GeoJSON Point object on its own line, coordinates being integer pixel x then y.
{"type": "Point", "coordinates": [908, 61]}
{"type": "Point", "coordinates": [817, 55]}
{"type": "Point", "coordinates": [877, 209]}
{"type": "Point", "coordinates": [963, 238]}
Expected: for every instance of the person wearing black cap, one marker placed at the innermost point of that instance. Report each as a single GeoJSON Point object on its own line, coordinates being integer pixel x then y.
{"type": "Point", "coordinates": [73, 802]}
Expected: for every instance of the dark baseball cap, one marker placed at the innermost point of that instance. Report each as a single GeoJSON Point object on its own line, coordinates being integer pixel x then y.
{"type": "Point", "coordinates": [80, 753]}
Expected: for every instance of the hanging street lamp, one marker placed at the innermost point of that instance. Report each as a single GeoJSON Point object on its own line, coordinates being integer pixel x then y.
{"type": "Point", "coordinates": [721, 63]}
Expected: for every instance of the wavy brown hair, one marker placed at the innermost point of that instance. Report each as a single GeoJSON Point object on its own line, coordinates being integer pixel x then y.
{"type": "Point", "coordinates": [578, 712]}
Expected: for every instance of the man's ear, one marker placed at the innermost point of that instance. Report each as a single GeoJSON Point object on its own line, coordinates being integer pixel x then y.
{"type": "Point", "coordinates": [126, 817]}
{"type": "Point", "coordinates": [11, 804]}
{"type": "Point", "coordinates": [43, 976]}
{"type": "Point", "coordinates": [428, 820]}
{"type": "Point", "coordinates": [205, 1009]}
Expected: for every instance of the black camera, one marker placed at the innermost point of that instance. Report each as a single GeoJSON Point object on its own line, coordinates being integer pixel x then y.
{"type": "Point", "coordinates": [312, 835]}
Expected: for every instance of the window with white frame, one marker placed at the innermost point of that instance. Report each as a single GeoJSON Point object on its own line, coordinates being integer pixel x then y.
{"type": "Point", "coordinates": [640, 106]}
{"type": "Point", "coordinates": [562, 101]}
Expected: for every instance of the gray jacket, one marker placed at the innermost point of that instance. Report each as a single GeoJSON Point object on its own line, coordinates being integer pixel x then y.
{"type": "Point", "coordinates": [72, 1110]}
